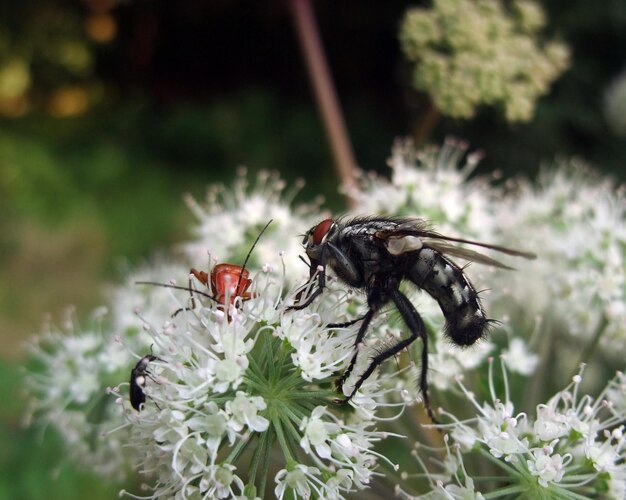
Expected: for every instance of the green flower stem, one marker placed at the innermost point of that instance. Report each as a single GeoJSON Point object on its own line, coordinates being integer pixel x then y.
{"type": "Point", "coordinates": [293, 431]}
{"type": "Point", "coordinates": [591, 348]}
{"type": "Point", "coordinates": [256, 457]}
{"type": "Point", "coordinates": [502, 492]}
{"type": "Point", "coordinates": [501, 464]}
{"type": "Point", "coordinates": [261, 458]}
{"type": "Point", "coordinates": [322, 395]}
{"type": "Point", "coordinates": [276, 422]}
{"type": "Point", "coordinates": [238, 449]}
{"type": "Point", "coordinates": [265, 463]}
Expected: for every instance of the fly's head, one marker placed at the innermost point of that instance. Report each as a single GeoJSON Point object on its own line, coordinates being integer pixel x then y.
{"type": "Point", "coordinates": [316, 238]}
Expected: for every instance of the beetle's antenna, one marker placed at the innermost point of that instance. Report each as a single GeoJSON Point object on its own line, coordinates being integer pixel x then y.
{"type": "Point", "coordinates": [250, 252]}
{"type": "Point", "coordinates": [176, 287]}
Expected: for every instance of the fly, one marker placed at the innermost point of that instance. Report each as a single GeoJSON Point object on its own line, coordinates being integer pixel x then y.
{"type": "Point", "coordinates": [375, 255]}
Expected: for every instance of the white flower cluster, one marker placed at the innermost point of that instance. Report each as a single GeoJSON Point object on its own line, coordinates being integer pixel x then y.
{"type": "Point", "coordinates": [433, 184]}
{"type": "Point", "coordinates": [576, 221]}
{"type": "Point", "coordinates": [239, 393]}
{"type": "Point", "coordinates": [482, 52]}
{"type": "Point", "coordinates": [224, 385]}
{"type": "Point", "coordinates": [68, 381]}
{"type": "Point", "coordinates": [574, 445]}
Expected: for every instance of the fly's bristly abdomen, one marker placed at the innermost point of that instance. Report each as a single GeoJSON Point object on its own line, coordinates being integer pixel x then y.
{"type": "Point", "coordinates": [443, 280]}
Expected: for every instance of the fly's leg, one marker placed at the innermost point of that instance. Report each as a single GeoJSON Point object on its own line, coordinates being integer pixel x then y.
{"type": "Point", "coordinates": [341, 264]}
{"type": "Point", "coordinates": [417, 329]}
{"type": "Point", "coordinates": [359, 338]}
{"type": "Point", "coordinates": [345, 324]}
{"type": "Point", "coordinates": [321, 284]}
{"type": "Point", "coordinates": [316, 293]}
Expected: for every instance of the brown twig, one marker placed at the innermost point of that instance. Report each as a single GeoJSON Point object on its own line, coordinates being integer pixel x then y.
{"type": "Point", "coordinates": [325, 94]}
{"type": "Point", "coordinates": [429, 120]}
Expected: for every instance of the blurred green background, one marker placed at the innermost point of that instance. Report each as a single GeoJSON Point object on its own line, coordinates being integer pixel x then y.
{"type": "Point", "coordinates": [110, 111]}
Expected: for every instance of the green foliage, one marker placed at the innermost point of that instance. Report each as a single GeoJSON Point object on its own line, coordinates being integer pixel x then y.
{"type": "Point", "coordinates": [26, 455]}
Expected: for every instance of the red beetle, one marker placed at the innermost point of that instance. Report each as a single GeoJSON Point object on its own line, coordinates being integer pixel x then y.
{"type": "Point", "coordinates": [226, 280]}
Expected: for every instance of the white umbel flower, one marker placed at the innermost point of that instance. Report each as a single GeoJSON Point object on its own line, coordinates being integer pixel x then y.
{"type": "Point", "coordinates": [227, 386]}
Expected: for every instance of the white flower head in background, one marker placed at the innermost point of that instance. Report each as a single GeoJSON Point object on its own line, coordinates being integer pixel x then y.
{"type": "Point", "coordinates": [432, 183]}
{"type": "Point", "coordinates": [576, 220]}
{"type": "Point", "coordinates": [69, 382]}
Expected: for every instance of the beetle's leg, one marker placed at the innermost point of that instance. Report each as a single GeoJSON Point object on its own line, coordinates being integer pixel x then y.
{"type": "Point", "coordinates": [416, 326]}
{"type": "Point", "coordinates": [192, 301]}
{"type": "Point", "coordinates": [176, 287]}
{"type": "Point", "coordinates": [359, 337]}
{"type": "Point", "coordinates": [143, 403]}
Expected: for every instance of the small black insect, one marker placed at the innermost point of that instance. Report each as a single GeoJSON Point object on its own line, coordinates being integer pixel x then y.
{"type": "Point", "coordinates": [375, 254]}
{"type": "Point", "coordinates": [138, 381]}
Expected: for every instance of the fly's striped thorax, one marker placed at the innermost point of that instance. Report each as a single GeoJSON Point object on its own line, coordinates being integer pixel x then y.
{"type": "Point", "coordinates": [447, 284]}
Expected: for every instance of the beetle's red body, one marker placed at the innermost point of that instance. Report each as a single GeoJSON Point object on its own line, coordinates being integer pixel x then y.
{"type": "Point", "coordinates": [227, 280]}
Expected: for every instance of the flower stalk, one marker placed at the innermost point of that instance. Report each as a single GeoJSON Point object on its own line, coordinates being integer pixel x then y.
{"type": "Point", "coordinates": [325, 94]}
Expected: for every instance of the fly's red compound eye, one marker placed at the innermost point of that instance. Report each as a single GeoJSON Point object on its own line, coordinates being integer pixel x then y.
{"type": "Point", "coordinates": [231, 280]}
{"type": "Point", "coordinates": [321, 230]}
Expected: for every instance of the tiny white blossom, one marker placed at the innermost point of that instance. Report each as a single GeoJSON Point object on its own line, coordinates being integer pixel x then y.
{"type": "Point", "coordinates": [296, 479]}
{"type": "Point", "coordinates": [316, 433]}
{"type": "Point", "coordinates": [244, 410]}
{"type": "Point", "coordinates": [548, 468]}
{"type": "Point", "coordinates": [550, 424]}
{"type": "Point", "coordinates": [519, 359]}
